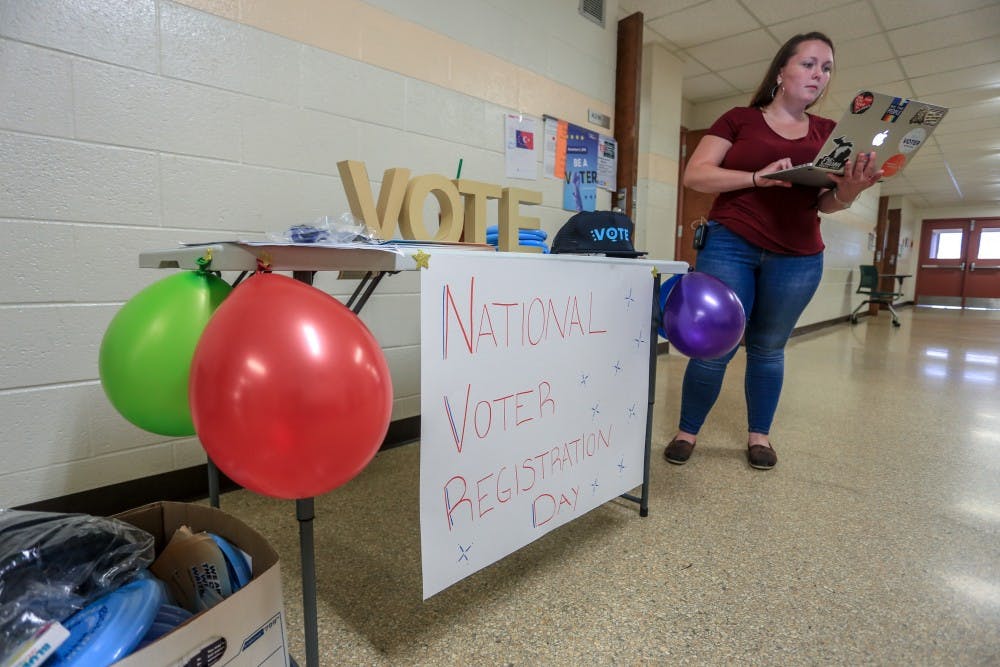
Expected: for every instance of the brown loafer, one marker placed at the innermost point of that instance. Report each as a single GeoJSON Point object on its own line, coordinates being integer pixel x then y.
{"type": "Point", "coordinates": [678, 451]}
{"type": "Point", "coordinates": [761, 457]}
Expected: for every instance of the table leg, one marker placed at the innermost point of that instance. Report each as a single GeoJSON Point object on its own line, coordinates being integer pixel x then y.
{"type": "Point", "coordinates": [213, 484]}
{"type": "Point", "coordinates": [305, 512]}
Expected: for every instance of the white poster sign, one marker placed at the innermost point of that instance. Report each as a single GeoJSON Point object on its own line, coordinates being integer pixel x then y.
{"type": "Point", "coordinates": [520, 131]}
{"type": "Point", "coordinates": [607, 162]}
{"type": "Point", "coordinates": [534, 389]}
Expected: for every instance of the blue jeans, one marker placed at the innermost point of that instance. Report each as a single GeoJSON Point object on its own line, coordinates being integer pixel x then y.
{"type": "Point", "coordinates": [774, 290]}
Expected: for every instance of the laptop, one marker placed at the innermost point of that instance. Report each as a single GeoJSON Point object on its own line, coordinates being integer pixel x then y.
{"type": "Point", "coordinates": [894, 127]}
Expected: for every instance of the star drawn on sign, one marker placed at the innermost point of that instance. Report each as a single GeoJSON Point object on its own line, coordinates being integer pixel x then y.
{"type": "Point", "coordinates": [583, 378]}
{"type": "Point", "coordinates": [630, 412]}
{"type": "Point", "coordinates": [465, 552]}
{"type": "Point", "coordinates": [422, 259]}
{"type": "Point", "coordinates": [628, 299]}
{"type": "Point", "coordinates": [618, 367]}
{"type": "Point", "coordinates": [596, 410]}
{"type": "Point", "coordinates": [640, 340]}
{"type": "Point", "coordinates": [593, 486]}
{"type": "Point", "coordinates": [621, 465]}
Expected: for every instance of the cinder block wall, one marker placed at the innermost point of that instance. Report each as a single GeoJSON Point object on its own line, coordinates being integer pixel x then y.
{"type": "Point", "coordinates": [129, 125]}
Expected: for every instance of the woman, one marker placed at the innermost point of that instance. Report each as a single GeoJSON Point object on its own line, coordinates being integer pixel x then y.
{"type": "Point", "coordinates": [763, 238]}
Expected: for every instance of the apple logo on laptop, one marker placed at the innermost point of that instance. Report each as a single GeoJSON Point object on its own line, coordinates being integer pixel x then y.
{"type": "Point", "coordinates": [879, 138]}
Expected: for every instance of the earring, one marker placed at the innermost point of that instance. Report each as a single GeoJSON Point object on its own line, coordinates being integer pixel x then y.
{"type": "Point", "coordinates": [774, 91]}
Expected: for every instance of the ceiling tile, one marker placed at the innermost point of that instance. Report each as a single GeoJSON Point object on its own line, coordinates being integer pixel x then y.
{"type": "Point", "coordinates": [951, 31]}
{"type": "Point", "coordinates": [839, 24]}
{"type": "Point", "coordinates": [691, 67]}
{"type": "Point", "coordinates": [776, 11]}
{"type": "Point", "coordinates": [747, 77]}
{"type": "Point", "coordinates": [748, 47]}
{"type": "Point", "coordinates": [652, 9]}
{"type": "Point", "coordinates": [857, 52]}
{"type": "Point", "coordinates": [973, 96]}
{"type": "Point", "coordinates": [962, 140]}
{"type": "Point", "coordinates": [707, 87]}
{"type": "Point", "coordinates": [705, 22]}
{"type": "Point", "coordinates": [989, 110]}
{"type": "Point", "coordinates": [953, 125]}
{"type": "Point", "coordinates": [871, 76]}
{"type": "Point", "coordinates": [899, 13]}
{"type": "Point", "coordinates": [954, 57]}
{"type": "Point", "coordinates": [978, 78]}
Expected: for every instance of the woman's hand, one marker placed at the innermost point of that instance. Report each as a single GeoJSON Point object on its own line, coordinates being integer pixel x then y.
{"type": "Point", "coordinates": [760, 179]}
{"type": "Point", "coordinates": [859, 175]}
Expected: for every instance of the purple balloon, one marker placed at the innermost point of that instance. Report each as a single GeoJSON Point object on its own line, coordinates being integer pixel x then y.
{"type": "Point", "coordinates": [702, 317]}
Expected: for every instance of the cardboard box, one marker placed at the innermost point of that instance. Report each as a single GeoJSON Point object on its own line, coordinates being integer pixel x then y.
{"type": "Point", "coordinates": [247, 629]}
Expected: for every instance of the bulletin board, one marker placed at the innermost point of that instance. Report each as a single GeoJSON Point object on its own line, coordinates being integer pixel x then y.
{"type": "Point", "coordinates": [534, 381]}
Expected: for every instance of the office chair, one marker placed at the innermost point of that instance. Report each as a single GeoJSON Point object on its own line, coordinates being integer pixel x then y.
{"type": "Point", "coordinates": [869, 288]}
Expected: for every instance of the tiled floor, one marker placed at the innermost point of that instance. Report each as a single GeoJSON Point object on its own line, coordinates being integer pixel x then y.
{"type": "Point", "coordinates": [876, 540]}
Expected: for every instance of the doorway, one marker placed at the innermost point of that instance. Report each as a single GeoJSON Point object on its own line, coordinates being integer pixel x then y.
{"type": "Point", "coordinates": [959, 264]}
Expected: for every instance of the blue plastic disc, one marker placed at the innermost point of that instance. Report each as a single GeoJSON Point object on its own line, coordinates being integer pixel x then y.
{"type": "Point", "coordinates": [110, 627]}
{"type": "Point", "coordinates": [169, 613]}
{"type": "Point", "coordinates": [145, 574]}
{"type": "Point", "coordinates": [167, 618]}
{"type": "Point", "coordinates": [239, 571]}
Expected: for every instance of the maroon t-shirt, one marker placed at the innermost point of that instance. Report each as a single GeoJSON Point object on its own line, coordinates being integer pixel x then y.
{"type": "Point", "coordinates": [782, 220]}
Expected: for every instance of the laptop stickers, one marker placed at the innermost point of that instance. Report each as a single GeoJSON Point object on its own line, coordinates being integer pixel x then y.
{"type": "Point", "coordinates": [894, 127]}
{"type": "Point", "coordinates": [835, 159]}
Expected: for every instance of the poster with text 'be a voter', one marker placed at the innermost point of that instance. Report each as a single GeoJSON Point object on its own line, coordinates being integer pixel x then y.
{"type": "Point", "coordinates": [534, 389]}
{"type": "Point", "coordinates": [580, 186]}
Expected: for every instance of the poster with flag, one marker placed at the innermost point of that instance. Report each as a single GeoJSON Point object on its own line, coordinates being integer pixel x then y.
{"type": "Point", "coordinates": [519, 131]}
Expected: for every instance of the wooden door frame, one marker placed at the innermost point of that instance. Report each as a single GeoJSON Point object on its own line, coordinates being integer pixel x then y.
{"type": "Point", "coordinates": [628, 87]}
{"type": "Point", "coordinates": [681, 164]}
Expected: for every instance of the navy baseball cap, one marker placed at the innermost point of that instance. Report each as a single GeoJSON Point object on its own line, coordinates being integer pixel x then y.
{"type": "Point", "coordinates": [597, 233]}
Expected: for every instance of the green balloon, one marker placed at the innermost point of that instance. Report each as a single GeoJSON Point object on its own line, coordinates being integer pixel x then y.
{"type": "Point", "coordinates": [145, 358]}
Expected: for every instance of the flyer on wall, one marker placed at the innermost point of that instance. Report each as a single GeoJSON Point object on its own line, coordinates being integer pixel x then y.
{"type": "Point", "coordinates": [519, 133]}
{"type": "Point", "coordinates": [580, 183]}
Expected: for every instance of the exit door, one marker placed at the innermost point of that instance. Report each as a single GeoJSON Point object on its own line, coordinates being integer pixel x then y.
{"type": "Point", "coordinates": [959, 263]}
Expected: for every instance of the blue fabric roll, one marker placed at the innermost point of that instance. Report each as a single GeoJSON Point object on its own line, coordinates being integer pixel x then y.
{"type": "Point", "coordinates": [492, 238]}
{"type": "Point", "coordinates": [539, 234]}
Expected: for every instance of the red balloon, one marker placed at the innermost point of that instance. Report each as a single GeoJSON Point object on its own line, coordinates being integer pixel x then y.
{"type": "Point", "coordinates": [290, 393]}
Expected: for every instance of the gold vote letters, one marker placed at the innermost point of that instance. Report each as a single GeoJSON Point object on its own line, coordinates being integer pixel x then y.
{"type": "Point", "coordinates": [462, 202]}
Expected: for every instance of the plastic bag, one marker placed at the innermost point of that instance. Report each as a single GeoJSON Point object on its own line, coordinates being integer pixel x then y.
{"type": "Point", "coordinates": [54, 564]}
{"type": "Point", "coordinates": [345, 229]}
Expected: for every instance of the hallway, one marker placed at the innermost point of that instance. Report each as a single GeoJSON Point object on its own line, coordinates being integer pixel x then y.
{"type": "Point", "coordinates": [876, 539]}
